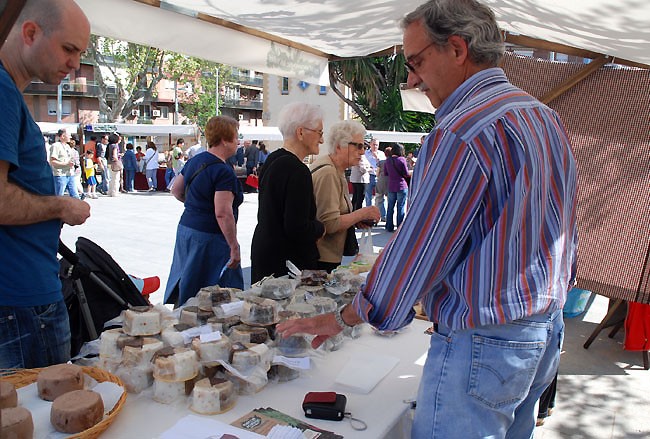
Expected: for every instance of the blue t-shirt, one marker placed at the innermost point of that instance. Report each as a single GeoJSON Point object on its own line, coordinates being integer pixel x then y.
{"type": "Point", "coordinates": [199, 197]}
{"type": "Point", "coordinates": [28, 264]}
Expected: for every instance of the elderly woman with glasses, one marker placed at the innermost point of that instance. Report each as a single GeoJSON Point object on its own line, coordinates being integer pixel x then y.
{"type": "Point", "coordinates": [345, 147]}
{"type": "Point", "coordinates": [287, 228]}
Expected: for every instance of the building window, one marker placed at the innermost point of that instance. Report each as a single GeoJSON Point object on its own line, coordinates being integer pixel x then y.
{"type": "Point", "coordinates": [164, 112]}
{"type": "Point", "coordinates": [322, 90]}
{"type": "Point", "coordinates": [285, 85]}
{"type": "Point", "coordinates": [145, 111]}
{"type": "Point", "coordinates": [66, 107]}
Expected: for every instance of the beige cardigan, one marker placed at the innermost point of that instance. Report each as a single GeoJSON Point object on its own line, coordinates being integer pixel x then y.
{"type": "Point", "coordinates": [332, 200]}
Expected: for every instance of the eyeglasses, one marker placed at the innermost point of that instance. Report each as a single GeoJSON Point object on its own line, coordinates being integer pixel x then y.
{"type": "Point", "coordinates": [320, 132]}
{"type": "Point", "coordinates": [409, 61]}
{"type": "Point", "coordinates": [359, 145]}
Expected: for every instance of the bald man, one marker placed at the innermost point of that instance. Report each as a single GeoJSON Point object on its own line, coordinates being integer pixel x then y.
{"type": "Point", "coordinates": [45, 43]}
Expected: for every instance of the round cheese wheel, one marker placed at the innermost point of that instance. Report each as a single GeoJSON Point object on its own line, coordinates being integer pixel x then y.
{"type": "Point", "coordinates": [54, 381]}
{"type": "Point", "coordinates": [8, 395]}
{"type": "Point", "coordinates": [76, 411]}
{"type": "Point", "coordinates": [17, 423]}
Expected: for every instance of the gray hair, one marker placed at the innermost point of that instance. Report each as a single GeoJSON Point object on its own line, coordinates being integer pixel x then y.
{"type": "Point", "coordinates": [298, 114]}
{"type": "Point", "coordinates": [342, 132]}
{"type": "Point", "coordinates": [469, 19]}
{"type": "Point", "coordinates": [48, 14]}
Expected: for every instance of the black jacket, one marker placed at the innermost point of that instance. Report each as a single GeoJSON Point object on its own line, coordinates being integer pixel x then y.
{"type": "Point", "coordinates": [286, 218]}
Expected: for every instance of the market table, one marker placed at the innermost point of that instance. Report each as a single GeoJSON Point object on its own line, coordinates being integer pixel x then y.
{"type": "Point", "coordinates": [383, 409]}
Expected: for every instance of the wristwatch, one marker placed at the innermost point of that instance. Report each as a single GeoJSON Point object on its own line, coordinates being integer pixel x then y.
{"type": "Point", "coordinates": [339, 319]}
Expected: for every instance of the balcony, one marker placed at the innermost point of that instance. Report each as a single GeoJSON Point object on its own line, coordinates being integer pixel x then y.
{"type": "Point", "coordinates": [251, 104]}
{"type": "Point", "coordinates": [70, 89]}
{"type": "Point", "coordinates": [255, 81]}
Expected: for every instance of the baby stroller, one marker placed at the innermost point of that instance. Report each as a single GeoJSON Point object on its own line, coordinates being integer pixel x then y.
{"type": "Point", "coordinates": [95, 289]}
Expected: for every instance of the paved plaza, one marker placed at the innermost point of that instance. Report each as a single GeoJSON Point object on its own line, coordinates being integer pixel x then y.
{"type": "Point", "coordinates": [603, 392]}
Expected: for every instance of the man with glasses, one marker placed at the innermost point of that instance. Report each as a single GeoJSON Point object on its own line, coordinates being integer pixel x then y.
{"type": "Point", "coordinates": [45, 43]}
{"type": "Point", "coordinates": [488, 246]}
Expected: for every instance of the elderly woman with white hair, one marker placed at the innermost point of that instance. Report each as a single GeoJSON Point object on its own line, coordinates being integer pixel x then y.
{"type": "Point", "coordinates": [345, 147]}
{"type": "Point", "coordinates": [287, 228]}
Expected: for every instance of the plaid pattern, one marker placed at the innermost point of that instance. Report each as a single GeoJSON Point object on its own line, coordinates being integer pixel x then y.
{"type": "Point", "coordinates": [607, 118]}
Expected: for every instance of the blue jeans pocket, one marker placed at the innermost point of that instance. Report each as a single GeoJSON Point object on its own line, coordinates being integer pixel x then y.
{"type": "Point", "coordinates": [502, 370]}
{"type": "Point", "coordinates": [10, 340]}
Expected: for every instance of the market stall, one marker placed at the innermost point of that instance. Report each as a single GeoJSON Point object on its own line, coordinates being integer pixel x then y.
{"type": "Point", "coordinates": [383, 409]}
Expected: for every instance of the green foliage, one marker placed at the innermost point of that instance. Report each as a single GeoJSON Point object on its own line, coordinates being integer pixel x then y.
{"type": "Point", "coordinates": [200, 107]}
{"type": "Point", "coordinates": [128, 73]}
{"type": "Point", "coordinates": [374, 83]}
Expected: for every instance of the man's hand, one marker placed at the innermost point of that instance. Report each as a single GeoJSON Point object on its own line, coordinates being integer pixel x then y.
{"type": "Point", "coordinates": [323, 327]}
{"type": "Point", "coordinates": [74, 211]}
{"type": "Point", "coordinates": [235, 257]}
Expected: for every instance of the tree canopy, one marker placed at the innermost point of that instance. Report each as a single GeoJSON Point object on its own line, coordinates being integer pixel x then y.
{"type": "Point", "coordinates": [135, 71]}
{"type": "Point", "coordinates": [374, 83]}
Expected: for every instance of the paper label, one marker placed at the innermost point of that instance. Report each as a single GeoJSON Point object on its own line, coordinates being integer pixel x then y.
{"type": "Point", "coordinates": [294, 363]}
{"type": "Point", "coordinates": [191, 333]}
{"type": "Point", "coordinates": [211, 336]}
{"type": "Point", "coordinates": [232, 308]}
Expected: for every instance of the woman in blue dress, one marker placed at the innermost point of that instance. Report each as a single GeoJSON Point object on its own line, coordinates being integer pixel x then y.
{"type": "Point", "coordinates": [207, 251]}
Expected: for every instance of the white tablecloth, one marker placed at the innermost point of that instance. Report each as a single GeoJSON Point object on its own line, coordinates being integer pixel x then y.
{"type": "Point", "coordinates": [383, 409]}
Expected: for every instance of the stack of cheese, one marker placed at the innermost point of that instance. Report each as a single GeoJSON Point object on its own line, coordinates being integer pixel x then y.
{"type": "Point", "coordinates": [73, 409]}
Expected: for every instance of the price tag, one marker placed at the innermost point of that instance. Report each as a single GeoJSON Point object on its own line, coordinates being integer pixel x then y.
{"type": "Point", "coordinates": [232, 308]}
{"type": "Point", "coordinates": [189, 334]}
{"type": "Point", "coordinates": [210, 336]}
{"type": "Point", "coordinates": [294, 363]}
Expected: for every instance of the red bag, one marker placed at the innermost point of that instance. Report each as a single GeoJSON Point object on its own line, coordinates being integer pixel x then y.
{"type": "Point", "coordinates": [253, 181]}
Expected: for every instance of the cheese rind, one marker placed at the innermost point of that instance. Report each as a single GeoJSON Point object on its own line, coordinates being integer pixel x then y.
{"type": "Point", "coordinates": [76, 411]}
{"type": "Point", "coordinates": [54, 381]}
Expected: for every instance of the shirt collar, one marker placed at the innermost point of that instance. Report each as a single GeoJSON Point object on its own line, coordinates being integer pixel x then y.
{"type": "Point", "coordinates": [469, 88]}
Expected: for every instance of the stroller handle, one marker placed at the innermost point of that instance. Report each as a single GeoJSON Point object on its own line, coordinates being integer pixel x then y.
{"type": "Point", "coordinates": [68, 254]}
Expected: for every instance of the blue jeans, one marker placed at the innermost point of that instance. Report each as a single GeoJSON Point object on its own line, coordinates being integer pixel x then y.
{"type": "Point", "coordinates": [152, 178]}
{"type": "Point", "coordinates": [129, 178]}
{"type": "Point", "coordinates": [369, 188]}
{"type": "Point", "coordinates": [399, 198]}
{"type": "Point", "coordinates": [169, 174]}
{"type": "Point", "coordinates": [34, 336]}
{"type": "Point", "coordinates": [106, 178]}
{"type": "Point", "coordinates": [488, 379]}
{"type": "Point", "coordinates": [61, 183]}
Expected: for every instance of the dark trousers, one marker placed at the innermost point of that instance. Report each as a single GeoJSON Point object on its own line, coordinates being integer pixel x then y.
{"type": "Point", "coordinates": [547, 400]}
{"type": "Point", "coordinates": [358, 193]}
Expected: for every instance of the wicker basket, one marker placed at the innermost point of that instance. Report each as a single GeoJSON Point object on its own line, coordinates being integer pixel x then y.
{"type": "Point", "coordinates": [23, 377]}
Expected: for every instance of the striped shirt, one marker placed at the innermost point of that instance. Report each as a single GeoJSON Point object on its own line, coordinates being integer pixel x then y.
{"type": "Point", "coordinates": [491, 234]}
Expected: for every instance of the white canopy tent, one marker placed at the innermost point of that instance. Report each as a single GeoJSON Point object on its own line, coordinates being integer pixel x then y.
{"type": "Point", "coordinates": [132, 129]}
{"type": "Point", "coordinates": [297, 39]}
{"type": "Point", "coordinates": [259, 133]}
{"type": "Point", "coordinates": [53, 127]}
{"type": "Point", "coordinates": [273, 134]}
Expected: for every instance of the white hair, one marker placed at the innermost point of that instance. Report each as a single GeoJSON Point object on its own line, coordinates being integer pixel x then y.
{"type": "Point", "coordinates": [298, 114]}
{"type": "Point", "coordinates": [342, 132]}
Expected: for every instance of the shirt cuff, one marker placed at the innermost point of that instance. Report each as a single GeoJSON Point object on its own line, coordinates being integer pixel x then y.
{"type": "Point", "coordinates": [362, 306]}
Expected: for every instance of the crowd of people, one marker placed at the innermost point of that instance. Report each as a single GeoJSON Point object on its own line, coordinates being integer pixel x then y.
{"type": "Point", "coordinates": [109, 166]}
{"type": "Point", "coordinates": [485, 233]}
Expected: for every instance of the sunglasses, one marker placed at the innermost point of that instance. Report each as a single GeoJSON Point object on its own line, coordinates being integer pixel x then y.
{"type": "Point", "coordinates": [359, 145]}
